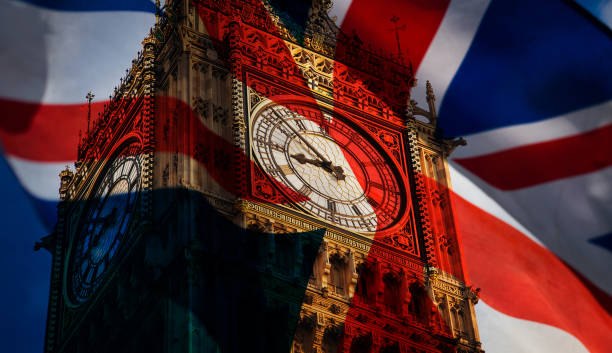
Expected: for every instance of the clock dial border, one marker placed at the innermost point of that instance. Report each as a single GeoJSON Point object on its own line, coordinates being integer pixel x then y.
{"type": "Point", "coordinates": [393, 174]}
{"type": "Point", "coordinates": [130, 147]}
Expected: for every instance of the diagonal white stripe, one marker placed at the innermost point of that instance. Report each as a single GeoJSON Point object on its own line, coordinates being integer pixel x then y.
{"type": "Point", "coordinates": [465, 188]}
{"type": "Point", "coordinates": [501, 333]}
{"type": "Point", "coordinates": [573, 123]}
{"type": "Point", "coordinates": [562, 215]}
{"type": "Point", "coordinates": [447, 50]}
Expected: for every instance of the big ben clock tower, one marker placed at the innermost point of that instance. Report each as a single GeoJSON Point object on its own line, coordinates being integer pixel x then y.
{"type": "Point", "coordinates": [255, 187]}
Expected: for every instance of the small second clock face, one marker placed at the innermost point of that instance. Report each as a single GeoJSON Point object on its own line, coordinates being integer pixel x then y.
{"type": "Point", "coordinates": [345, 179]}
{"type": "Point", "coordinates": [104, 224]}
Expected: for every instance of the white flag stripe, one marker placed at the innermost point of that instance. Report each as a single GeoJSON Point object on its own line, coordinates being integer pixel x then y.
{"type": "Point", "coordinates": [448, 48]}
{"type": "Point", "coordinates": [40, 179]}
{"type": "Point", "coordinates": [564, 215]}
{"type": "Point", "coordinates": [501, 333]}
{"type": "Point", "coordinates": [339, 9]}
{"type": "Point", "coordinates": [465, 188]}
{"type": "Point", "coordinates": [58, 56]}
{"type": "Point", "coordinates": [566, 125]}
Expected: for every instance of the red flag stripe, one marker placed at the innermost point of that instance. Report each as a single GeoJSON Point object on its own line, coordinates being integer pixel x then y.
{"type": "Point", "coordinates": [525, 280]}
{"type": "Point", "coordinates": [43, 132]}
{"type": "Point", "coordinates": [543, 162]}
{"type": "Point", "coordinates": [417, 24]}
{"type": "Point", "coordinates": [50, 133]}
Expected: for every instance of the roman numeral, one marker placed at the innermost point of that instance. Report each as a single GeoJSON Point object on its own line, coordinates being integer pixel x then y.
{"type": "Point", "coordinates": [324, 129]}
{"type": "Point", "coordinates": [373, 203]}
{"type": "Point", "coordinates": [129, 173]}
{"type": "Point", "coordinates": [286, 169]}
{"type": "Point", "coordinates": [356, 210]}
{"type": "Point", "coordinates": [284, 131]}
{"type": "Point", "coordinates": [331, 205]}
{"type": "Point", "coordinates": [273, 171]}
{"type": "Point", "coordinates": [300, 124]}
{"type": "Point", "coordinates": [133, 184]}
{"type": "Point", "coordinates": [305, 190]}
{"type": "Point", "coordinates": [282, 169]}
{"type": "Point", "coordinates": [377, 185]}
{"type": "Point", "coordinates": [277, 147]}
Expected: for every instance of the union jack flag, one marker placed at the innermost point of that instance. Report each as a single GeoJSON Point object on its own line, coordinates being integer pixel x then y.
{"type": "Point", "coordinates": [527, 85]}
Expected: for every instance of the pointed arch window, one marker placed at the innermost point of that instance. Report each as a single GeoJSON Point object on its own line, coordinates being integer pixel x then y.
{"type": "Point", "coordinates": [338, 276]}
{"type": "Point", "coordinates": [392, 292]}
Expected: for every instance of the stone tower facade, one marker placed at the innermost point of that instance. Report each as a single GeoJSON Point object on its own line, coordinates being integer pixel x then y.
{"type": "Point", "coordinates": [219, 252]}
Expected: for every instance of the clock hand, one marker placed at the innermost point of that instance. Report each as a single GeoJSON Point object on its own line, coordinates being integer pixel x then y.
{"type": "Point", "coordinates": [302, 159]}
{"type": "Point", "coordinates": [339, 172]}
{"type": "Point", "coordinates": [328, 166]}
{"type": "Point", "coordinates": [324, 163]}
{"type": "Point", "coordinates": [105, 220]}
{"type": "Point", "coordinates": [298, 135]}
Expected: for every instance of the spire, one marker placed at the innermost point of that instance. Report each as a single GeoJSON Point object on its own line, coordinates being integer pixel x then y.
{"type": "Point", "coordinates": [90, 96]}
{"type": "Point", "coordinates": [157, 11]}
{"type": "Point", "coordinates": [431, 101]}
{"type": "Point", "coordinates": [65, 179]}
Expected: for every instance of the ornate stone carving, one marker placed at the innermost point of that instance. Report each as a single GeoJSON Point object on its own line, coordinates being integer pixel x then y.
{"type": "Point", "coordinates": [165, 175]}
{"type": "Point", "coordinates": [255, 98]}
{"type": "Point", "coordinates": [263, 189]}
{"type": "Point", "coordinates": [335, 309]}
{"type": "Point", "coordinates": [201, 107]}
{"type": "Point", "coordinates": [220, 114]}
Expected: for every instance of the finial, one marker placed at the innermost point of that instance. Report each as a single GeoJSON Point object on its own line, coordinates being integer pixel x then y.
{"type": "Point", "coordinates": [90, 96]}
{"type": "Point", "coordinates": [65, 179]}
{"type": "Point", "coordinates": [157, 11]}
{"type": "Point", "coordinates": [429, 90]}
{"type": "Point", "coordinates": [431, 102]}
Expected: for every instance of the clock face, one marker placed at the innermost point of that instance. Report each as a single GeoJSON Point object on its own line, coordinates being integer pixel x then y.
{"type": "Point", "coordinates": [104, 224]}
{"type": "Point", "coordinates": [345, 179]}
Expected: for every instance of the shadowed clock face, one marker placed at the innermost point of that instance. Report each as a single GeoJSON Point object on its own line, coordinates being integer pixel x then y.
{"type": "Point", "coordinates": [345, 179]}
{"type": "Point", "coordinates": [104, 225]}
